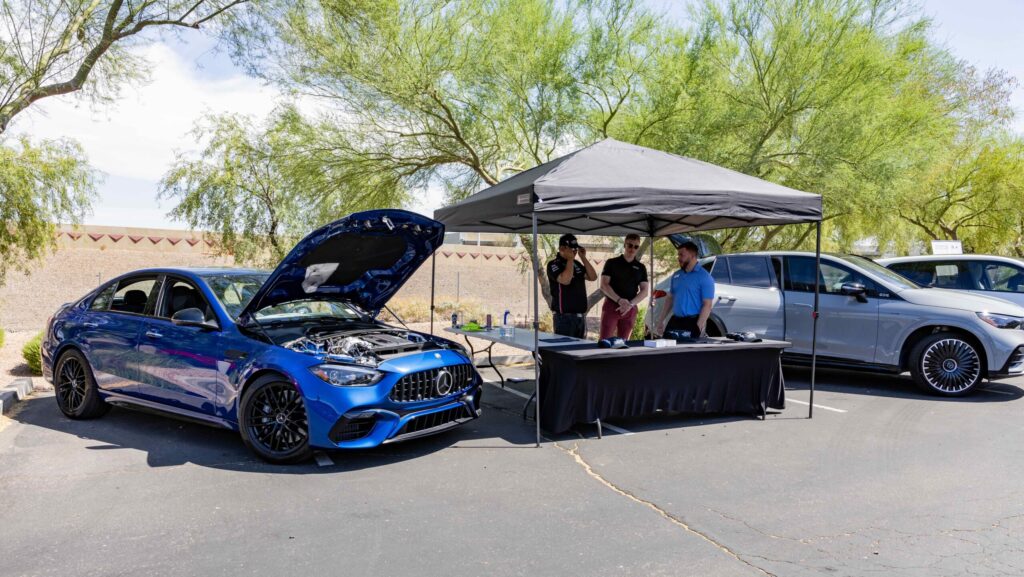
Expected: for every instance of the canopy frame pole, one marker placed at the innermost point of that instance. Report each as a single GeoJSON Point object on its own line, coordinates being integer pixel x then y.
{"type": "Point", "coordinates": [433, 280]}
{"type": "Point", "coordinates": [536, 335]}
{"type": "Point", "coordinates": [814, 316]}
{"type": "Point", "coordinates": [652, 281]}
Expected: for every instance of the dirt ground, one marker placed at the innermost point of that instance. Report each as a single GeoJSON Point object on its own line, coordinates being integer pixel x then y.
{"type": "Point", "coordinates": [12, 366]}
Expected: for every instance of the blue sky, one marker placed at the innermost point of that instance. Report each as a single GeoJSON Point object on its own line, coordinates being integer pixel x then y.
{"type": "Point", "coordinates": [134, 141]}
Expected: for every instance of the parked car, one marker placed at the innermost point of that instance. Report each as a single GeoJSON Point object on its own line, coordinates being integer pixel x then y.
{"type": "Point", "coordinates": [292, 359]}
{"type": "Point", "coordinates": [870, 318]}
{"type": "Point", "coordinates": [995, 276]}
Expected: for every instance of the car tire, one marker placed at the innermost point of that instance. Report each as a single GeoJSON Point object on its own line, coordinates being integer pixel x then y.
{"type": "Point", "coordinates": [273, 421]}
{"type": "Point", "coordinates": [946, 364]}
{"type": "Point", "coordinates": [75, 387]}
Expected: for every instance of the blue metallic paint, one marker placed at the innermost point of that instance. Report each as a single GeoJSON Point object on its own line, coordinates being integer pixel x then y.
{"type": "Point", "coordinates": [187, 372]}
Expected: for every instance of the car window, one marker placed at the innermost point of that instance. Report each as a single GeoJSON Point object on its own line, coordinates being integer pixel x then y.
{"type": "Point", "coordinates": [720, 272]}
{"type": "Point", "coordinates": [750, 271]}
{"type": "Point", "coordinates": [234, 291]}
{"type": "Point", "coordinates": [180, 295]}
{"type": "Point", "coordinates": [799, 276]}
{"type": "Point", "coordinates": [934, 273]}
{"type": "Point", "coordinates": [921, 273]}
{"type": "Point", "coordinates": [102, 300]}
{"type": "Point", "coordinates": [998, 277]}
{"type": "Point", "coordinates": [135, 295]}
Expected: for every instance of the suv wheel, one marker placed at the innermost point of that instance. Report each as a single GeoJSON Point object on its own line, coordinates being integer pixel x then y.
{"type": "Point", "coordinates": [946, 364]}
{"type": "Point", "coordinates": [273, 421]}
{"type": "Point", "coordinates": [77, 395]}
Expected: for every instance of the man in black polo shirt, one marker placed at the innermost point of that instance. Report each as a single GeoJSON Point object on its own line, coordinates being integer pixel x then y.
{"type": "Point", "coordinates": [624, 283]}
{"type": "Point", "coordinates": [567, 279]}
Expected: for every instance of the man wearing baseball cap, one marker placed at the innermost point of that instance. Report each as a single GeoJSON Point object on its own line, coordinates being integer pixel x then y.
{"type": "Point", "coordinates": [567, 280]}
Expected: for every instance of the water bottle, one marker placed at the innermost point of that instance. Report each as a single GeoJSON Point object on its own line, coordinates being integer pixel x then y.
{"type": "Point", "coordinates": [504, 319]}
{"type": "Point", "coordinates": [455, 320]}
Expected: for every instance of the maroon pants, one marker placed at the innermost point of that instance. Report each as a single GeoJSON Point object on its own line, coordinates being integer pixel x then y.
{"type": "Point", "coordinates": [614, 324]}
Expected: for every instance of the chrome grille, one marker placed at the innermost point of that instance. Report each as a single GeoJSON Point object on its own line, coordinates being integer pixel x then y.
{"type": "Point", "coordinates": [422, 385]}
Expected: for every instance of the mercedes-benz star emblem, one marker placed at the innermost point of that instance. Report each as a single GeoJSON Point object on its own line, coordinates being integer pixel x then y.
{"type": "Point", "coordinates": [443, 383]}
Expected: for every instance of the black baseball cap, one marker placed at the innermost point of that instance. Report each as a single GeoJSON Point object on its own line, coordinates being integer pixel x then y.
{"type": "Point", "coordinates": [568, 240]}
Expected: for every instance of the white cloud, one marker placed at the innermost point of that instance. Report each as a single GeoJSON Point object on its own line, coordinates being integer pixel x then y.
{"type": "Point", "coordinates": [136, 136]}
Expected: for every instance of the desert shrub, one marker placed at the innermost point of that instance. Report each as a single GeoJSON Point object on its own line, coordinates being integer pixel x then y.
{"type": "Point", "coordinates": [30, 352]}
{"type": "Point", "coordinates": [415, 310]}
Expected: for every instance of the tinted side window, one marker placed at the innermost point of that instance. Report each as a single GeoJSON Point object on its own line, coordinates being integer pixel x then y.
{"type": "Point", "coordinates": [921, 273]}
{"type": "Point", "coordinates": [800, 276]}
{"type": "Point", "coordinates": [720, 273]}
{"type": "Point", "coordinates": [134, 295]}
{"type": "Point", "coordinates": [997, 276]}
{"type": "Point", "coordinates": [750, 271]}
{"type": "Point", "coordinates": [102, 300]}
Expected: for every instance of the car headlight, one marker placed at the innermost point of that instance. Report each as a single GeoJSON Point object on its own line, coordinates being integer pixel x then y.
{"type": "Point", "coordinates": [347, 376]}
{"type": "Point", "coordinates": [1000, 321]}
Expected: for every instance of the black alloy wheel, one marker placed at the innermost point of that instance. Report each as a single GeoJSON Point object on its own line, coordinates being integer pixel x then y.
{"type": "Point", "coordinates": [946, 364]}
{"type": "Point", "coordinates": [77, 395]}
{"type": "Point", "coordinates": [273, 421]}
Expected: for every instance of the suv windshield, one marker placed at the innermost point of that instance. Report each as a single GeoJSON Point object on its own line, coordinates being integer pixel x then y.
{"type": "Point", "coordinates": [879, 270]}
{"type": "Point", "coordinates": [234, 291]}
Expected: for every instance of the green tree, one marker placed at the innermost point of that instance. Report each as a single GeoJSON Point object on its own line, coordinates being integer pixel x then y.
{"type": "Point", "coordinates": [261, 187]}
{"type": "Point", "coordinates": [54, 48]}
{"type": "Point", "coordinates": [455, 94]}
{"type": "Point", "coordinates": [40, 184]}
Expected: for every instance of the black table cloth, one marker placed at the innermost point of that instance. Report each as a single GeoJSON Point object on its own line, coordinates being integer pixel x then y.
{"type": "Point", "coordinates": [583, 383]}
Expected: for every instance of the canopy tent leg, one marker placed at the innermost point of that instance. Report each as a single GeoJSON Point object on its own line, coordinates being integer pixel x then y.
{"type": "Point", "coordinates": [536, 336]}
{"type": "Point", "coordinates": [651, 282]}
{"type": "Point", "coordinates": [814, 322]}
{"type": "Point", "coordinates": [433, 279]}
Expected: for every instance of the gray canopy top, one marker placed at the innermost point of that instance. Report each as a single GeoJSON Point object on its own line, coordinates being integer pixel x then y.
{"type": "Point", "coordinates": [613, 188]}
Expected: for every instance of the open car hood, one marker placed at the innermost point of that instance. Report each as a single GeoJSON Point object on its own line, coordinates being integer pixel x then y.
{"type": "Point", "coordinates": [362, 259]}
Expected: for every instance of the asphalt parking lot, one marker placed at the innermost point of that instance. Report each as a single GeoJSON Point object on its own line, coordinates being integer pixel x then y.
{"type": "Point", "coordinates": [882, 481]}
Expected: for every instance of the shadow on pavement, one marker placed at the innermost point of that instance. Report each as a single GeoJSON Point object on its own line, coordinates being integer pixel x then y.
{"type": "Point", "coordinates": [169, 442]}
{"type": "Point", "coordinates": [892, 386]}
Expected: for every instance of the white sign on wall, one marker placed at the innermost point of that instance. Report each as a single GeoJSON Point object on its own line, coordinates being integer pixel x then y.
{"type": "Point", "coordinates": [947, 247]}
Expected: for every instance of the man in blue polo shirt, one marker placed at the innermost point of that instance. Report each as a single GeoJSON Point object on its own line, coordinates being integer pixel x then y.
{"type": "Point", "coordinates": [690, 298]}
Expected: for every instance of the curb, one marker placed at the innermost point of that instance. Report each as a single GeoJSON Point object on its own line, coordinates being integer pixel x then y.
{"type": "Point", "coordinates": [15, 392]}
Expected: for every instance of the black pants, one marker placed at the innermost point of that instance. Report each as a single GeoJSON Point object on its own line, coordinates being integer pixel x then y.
{"type": "Point", "coordinates": [570, 325]}
{"type": "Point", "coordinates": [683, 324]}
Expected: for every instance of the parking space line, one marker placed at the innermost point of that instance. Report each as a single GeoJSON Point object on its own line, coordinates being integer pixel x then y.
{"type": "Point", "coordinates": [997, 391]}
{"type": "Point", "coordinates": [323, 459]}
{"type": "Point", "coordinates": [804, 403]}
{"type": "Point", "coordinates": [523, 395]}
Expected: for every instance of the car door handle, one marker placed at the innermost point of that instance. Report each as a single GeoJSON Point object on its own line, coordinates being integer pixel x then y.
{"type": "Point", "coordinates": [90, 325]}
{"type": "Point", "coordinates": [729, 298]}
{"type": "Point", "coordinates": [153, 335]}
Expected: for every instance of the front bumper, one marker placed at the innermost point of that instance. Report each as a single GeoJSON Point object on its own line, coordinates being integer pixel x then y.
{"type": "Point", "coordinates": [1013, 367]}
{"type": "Point", "coordinates": [366, 417]}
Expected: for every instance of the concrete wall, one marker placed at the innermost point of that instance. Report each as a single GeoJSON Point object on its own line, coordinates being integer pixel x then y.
{"type": "Point", "coordinates": [87, 256]}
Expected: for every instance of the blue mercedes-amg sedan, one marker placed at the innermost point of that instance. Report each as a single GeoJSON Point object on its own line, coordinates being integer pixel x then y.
{"type": "Point", "coordinates": [293, 359]}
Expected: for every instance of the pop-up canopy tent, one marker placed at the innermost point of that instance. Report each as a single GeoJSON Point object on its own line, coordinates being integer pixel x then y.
{"type": "Point", "coordinates": [615, 188]}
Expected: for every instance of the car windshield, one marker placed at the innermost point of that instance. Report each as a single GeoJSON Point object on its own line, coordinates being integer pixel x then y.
{"type": "Point", "coordinates": [879, 270]}
{"type": "Point", "coordinates": [234, 291]}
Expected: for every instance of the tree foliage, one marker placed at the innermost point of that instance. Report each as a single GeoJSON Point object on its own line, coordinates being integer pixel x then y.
{"type": "Point", "coordinates": [51, 48]}
{"type": "Point", "coordinates": [851, 99]}
{"type": "Point", "coordinates": [40, 184]}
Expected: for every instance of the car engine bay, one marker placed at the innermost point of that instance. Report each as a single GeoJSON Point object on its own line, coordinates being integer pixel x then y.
{"type": "Point", "coordinates": [368, 347]}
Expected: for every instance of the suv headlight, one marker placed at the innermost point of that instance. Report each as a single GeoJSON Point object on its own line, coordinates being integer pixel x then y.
{"type": "Point", "coordinates": [1000, 321]}
{"type": "Point", "coordinates": [346, 376]}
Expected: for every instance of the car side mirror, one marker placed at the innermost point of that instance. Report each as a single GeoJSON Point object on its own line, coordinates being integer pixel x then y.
{"type": "Point", "coordinates": [193, 317]}
{"type": "Point", "coordinates": [855, 289]}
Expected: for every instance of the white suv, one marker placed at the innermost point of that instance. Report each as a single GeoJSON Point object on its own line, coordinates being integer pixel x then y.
{"type": "Point", "coordinates": [871, 318]}
{"type": "Point", "coordinates": [994, 276]}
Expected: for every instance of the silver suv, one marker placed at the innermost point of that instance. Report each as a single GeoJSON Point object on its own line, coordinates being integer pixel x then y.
{"type": "Point", "coordinates": [871, 318]}
{"type": "Point", "coordinates": [994, 276]}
